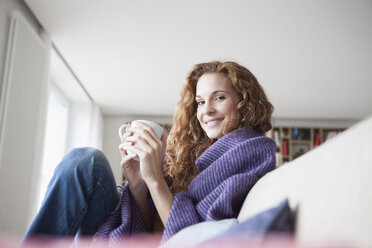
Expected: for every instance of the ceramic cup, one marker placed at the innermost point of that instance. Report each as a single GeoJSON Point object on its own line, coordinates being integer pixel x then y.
{"type": "Point", "coordinates": [157, 128]}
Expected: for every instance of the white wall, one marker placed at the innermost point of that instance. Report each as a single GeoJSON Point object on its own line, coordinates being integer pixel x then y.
{"type": "Point", "coordinates": [111, 139]}
{"type": "Point", "coordinates": [313, 122]}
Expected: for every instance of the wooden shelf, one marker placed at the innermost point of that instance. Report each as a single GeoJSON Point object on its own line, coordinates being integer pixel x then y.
{"type": "Point", "coordinates": [301, 141]}
{"type": "Point", "coordinates": [294, 141]}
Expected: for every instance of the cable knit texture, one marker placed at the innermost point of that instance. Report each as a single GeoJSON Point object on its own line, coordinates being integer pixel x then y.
{"type": "Point", "coordinates": [227, 171]}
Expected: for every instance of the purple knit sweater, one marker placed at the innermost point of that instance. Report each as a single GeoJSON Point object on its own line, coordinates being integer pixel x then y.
{"type": "Point", "coordinates": [227, 171]}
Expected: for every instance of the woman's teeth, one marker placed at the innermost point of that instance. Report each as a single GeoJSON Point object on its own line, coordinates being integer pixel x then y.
{"type": "Point", "coordinates": [211, 123]}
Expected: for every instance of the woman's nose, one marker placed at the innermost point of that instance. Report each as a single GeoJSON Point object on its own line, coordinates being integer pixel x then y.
{"type": "Point", "coordinates": [209, 108]}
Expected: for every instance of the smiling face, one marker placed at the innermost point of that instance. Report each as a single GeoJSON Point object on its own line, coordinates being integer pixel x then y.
{"type": "Point", "coordinates": [217, 101]}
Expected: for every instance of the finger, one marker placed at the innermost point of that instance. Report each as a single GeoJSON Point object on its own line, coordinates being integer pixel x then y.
{"type": "Point", "coordinates": [123, 151]}
{"type": "Point", "coordinates": [134, 149]}
{"type": "Point", "coordinates": [128, 158]}
{"type": "Point", "coordinates": [125, 143]}
{"type": "Point", "coordinates": [146, 141]}
{"type": "Point", "coordinates": [143, 143]}
{"type": "Point", "coordinates": [147, 134]}
{"type": "Point", "coordinates": [142, 128]}
{"type": "Point", "coordinates": [124, 155]}
{"type": "Point", "coordinates": [141, 124]}
{"type": "Point", "coordinates": [126, 135]}
{"type": "Point", "coordinates": [125, 161]}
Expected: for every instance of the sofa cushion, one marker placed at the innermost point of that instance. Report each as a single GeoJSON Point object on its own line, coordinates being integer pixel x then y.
{"type": "Point", "coordinates": [198, 233]}
{"type": "Point", "coordinates": [275, 219]}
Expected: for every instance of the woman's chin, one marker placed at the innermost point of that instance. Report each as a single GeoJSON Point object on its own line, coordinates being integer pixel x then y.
{"type": "Point", "coordinates": [214, 134]}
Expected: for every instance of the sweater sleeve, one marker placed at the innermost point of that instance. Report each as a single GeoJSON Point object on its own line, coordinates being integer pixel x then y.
{"type": "Point", "coordinates": [219, 191]}
{"type": "Point", "coordinates": [124, 221]}
{"type": "Point", "coordinates": [182, 206]}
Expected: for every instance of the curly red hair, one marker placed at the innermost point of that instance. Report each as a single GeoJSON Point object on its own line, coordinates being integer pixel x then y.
{"type": "Point", "coordinates": [187, 140]}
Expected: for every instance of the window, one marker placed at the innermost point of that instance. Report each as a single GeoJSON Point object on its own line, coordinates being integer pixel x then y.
{"type": "Point", "coordinates": [55, 137]}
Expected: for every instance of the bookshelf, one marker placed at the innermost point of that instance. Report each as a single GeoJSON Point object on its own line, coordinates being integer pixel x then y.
{"type": "Point", "coordinates": [293, 141]}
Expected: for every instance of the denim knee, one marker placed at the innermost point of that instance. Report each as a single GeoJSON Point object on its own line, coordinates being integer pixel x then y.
{"type": "Point", "coordinates": [86, 151]}
{"type": "Point", "coordinates": [82, 161]}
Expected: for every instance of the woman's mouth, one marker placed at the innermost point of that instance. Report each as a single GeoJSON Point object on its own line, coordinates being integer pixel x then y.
{"type": "Point", "coordinates": [213, 122]}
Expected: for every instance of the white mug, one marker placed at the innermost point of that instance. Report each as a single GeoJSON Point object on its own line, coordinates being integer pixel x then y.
{"type": "Point", "coordinates": [156, 127]}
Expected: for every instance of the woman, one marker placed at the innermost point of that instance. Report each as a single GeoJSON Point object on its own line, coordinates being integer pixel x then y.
{"type": "Point", "coordinates": [215, 153]}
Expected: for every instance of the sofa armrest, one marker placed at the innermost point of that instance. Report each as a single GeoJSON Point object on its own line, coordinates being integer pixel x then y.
{"type": "Point", "coordinates": [331, 186]}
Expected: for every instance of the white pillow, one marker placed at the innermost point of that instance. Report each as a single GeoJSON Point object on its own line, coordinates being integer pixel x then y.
{"type": "Point", "coordinates": [199, 233]}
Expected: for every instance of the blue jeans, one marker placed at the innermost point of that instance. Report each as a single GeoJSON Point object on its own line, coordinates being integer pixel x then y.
{"type": "Point", "coordinates": [80, 197]}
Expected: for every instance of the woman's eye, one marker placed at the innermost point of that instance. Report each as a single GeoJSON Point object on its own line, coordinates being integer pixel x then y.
{"type": "Point", "coordinates": [200, 102]}
{"type": "Point", "coordinates": [220, 98]}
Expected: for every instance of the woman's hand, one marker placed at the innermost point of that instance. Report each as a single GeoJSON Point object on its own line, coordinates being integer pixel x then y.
{"type": "Point", "coordinates": [131, 167]}
{"type": "Point", "coordinates": [132, 173]}
{"type": "Point", "coordinates": [150, 151]}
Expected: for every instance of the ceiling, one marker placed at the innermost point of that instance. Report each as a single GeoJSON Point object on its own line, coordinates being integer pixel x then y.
{"type": "Point", "coordinates": [314, 58]}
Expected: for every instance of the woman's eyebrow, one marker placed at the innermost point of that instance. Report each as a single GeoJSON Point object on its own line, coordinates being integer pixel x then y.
{"type": "Point", "coordinates": [219, 91]}
{"type": "Point", "coordinates": [214, 93]}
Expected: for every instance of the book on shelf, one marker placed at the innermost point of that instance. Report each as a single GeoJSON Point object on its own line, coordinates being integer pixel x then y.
{"type": "Point", "coordinates": [277, 137]}
{"type": "Point", "coordinates": [317, 139]}
{"type": "Point", "coordinates": [301, 133]}
{"type": "Point", "coordinates": [294, 141]}
{"type": "Point", "coordinates": [295, 133]}
{"type": "Point", "coordinates": [285, 148]}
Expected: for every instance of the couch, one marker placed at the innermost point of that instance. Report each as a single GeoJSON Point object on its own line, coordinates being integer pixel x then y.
{"type": "Point", "coordinates": [330, 189]}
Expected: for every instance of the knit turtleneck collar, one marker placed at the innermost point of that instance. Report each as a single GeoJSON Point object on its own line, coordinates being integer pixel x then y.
{"type": "Point", "coordinates": [222, 145]}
